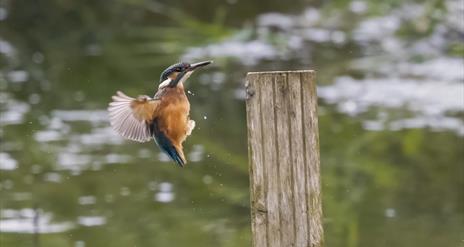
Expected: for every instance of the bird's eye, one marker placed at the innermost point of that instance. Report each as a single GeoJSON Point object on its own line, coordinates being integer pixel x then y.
{"type": "Point", "coordinates": [178, 69]}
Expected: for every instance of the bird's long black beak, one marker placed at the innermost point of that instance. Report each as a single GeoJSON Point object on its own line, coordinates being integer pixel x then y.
{"type": "Point", "coordinates": [194, 66]}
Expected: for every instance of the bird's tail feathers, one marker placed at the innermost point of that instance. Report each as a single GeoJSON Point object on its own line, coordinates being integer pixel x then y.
{"type": "Point", "coordinates": [175, 153]}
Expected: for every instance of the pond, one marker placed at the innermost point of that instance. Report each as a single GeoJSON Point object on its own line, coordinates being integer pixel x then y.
{"type": "Point", "coordinates": [390, 81]}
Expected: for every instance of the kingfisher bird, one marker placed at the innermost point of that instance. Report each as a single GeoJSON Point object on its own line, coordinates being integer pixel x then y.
{"type": "Point", "coordinates": [164, 118]}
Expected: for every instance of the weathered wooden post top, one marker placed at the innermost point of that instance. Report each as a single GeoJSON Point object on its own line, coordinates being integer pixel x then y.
{"type": "Point", "coordinates": [283, 144]}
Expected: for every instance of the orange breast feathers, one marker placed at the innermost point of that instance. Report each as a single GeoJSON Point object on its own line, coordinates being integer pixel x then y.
{"type": "Point", "coordinates": [172, 115]}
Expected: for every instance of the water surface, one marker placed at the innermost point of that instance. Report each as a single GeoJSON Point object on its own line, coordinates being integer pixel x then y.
{"type": "Point", "coordinates": [390, 84]}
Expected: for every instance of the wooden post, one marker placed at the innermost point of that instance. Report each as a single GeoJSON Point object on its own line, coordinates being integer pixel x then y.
{"type": "Point", "coordinates": [283, 146]}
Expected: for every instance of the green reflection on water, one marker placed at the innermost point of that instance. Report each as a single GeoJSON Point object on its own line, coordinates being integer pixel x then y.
{"type": "Point", "coordinates": [380, 188]}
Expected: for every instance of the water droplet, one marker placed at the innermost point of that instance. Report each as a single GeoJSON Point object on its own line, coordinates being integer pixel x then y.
{"type": "Point", "coordinates": [205, 117]}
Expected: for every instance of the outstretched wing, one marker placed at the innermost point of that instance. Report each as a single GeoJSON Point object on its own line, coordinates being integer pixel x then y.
{"type": "Point", "coordinates": [131, 117]}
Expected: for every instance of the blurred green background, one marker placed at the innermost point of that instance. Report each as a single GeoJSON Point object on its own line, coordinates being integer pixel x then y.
{"type": "Point", "coordinates": [390, 85]}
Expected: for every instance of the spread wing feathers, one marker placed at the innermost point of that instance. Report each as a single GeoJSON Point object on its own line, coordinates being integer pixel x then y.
{"type": "Point", "coordinates": [130, 117]}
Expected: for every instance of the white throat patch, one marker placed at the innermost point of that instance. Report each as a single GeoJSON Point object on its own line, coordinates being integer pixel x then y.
{"type": "Point", "coordinates": [165, 83]}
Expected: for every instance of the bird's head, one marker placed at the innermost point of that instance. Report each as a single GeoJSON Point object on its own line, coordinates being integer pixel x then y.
{"type": "Point", "coordinates": [178, 73]}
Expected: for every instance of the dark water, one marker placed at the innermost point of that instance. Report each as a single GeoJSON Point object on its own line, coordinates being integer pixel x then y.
{"type": "Point", "coordinates": [390, 78]}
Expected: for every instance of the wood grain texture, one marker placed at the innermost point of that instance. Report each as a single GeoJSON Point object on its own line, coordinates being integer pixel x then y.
{"type": "Point", "coordinates": [257, 169]}
{"type": "Point", "coordinates": [298, 161]}
{"type": "Point", "coordinates": [269, 146]}
{"type": "Point", "coordinates": [284, 158]}
{"type": "Point", "coordinates": [285, 181]}
{"type": "Point", "coordinates": [310, 126]}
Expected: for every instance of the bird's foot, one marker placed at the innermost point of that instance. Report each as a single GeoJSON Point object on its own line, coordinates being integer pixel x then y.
{"type": "Point", "coordinates": [190, 127]}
